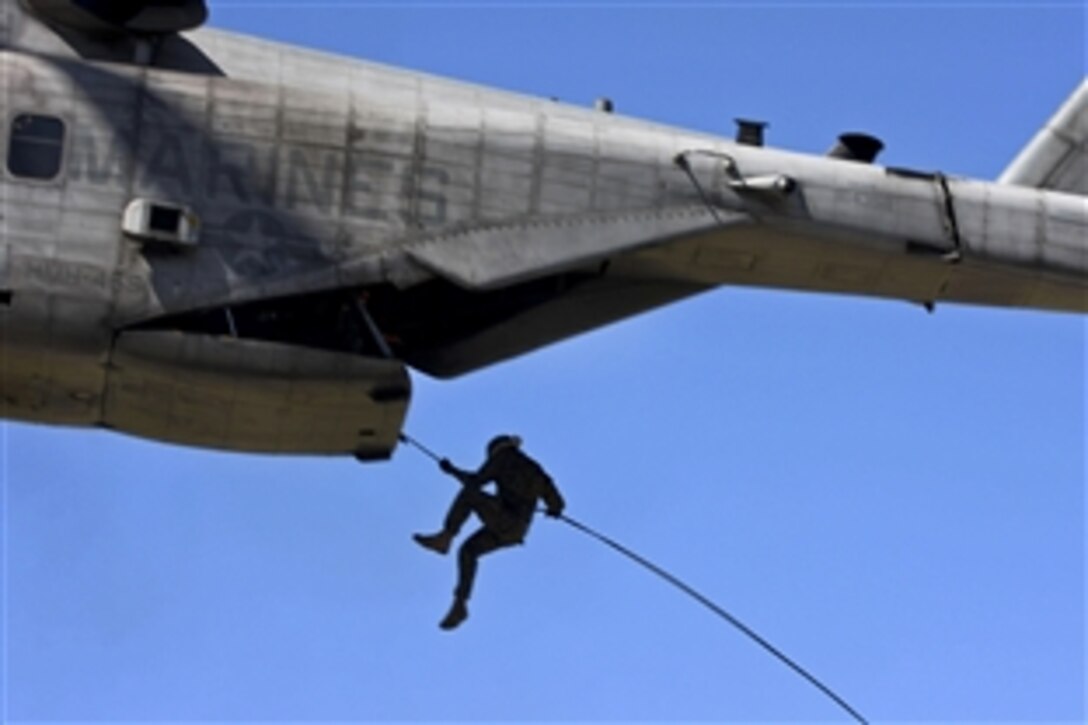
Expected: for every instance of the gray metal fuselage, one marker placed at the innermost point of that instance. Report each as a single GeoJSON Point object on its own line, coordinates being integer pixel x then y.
{"type": "Point", "coordinates": [357, 219]}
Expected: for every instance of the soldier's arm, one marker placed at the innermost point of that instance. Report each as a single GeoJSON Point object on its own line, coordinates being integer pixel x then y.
{"type": "Point", "coordinates": [470, 478]}
{"type": "Point", "coordinates": [552, 498]}
{"type": "Point", "coordinates": [489, 471]}
{"type": "Point", "coordinates": [465, 477]}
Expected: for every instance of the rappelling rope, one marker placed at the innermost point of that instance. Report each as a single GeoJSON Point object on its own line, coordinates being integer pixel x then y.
{"type": "Point", "coordinates": [405, 438]}
{"type": "Point", "coordinates": [690, 591]}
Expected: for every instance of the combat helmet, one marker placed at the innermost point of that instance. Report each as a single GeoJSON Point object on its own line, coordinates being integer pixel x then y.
{"type": "Point", "coordinates": [500, 442]}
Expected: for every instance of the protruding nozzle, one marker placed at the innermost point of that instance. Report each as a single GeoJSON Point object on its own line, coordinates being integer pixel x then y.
{"type": "Point", "coordinates": [860, 147]}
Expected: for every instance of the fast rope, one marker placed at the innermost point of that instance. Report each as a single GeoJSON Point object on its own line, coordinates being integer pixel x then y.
{"type": "Point", "coordinates": [691, 592]}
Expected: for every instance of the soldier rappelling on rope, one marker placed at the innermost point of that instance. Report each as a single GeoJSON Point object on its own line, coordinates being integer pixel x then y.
{"type": "Point", "coordinates": [506, 515]}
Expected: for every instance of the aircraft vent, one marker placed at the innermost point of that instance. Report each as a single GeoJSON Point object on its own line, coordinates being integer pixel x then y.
{"type": "Point", "coordinates": [161, 222]}
{"type": "Point", "coordinates": [859, 147]}
{"type": "Point", "coordinates": [749, 132]}
{"type": "Point", "coordinates": [147, 17]}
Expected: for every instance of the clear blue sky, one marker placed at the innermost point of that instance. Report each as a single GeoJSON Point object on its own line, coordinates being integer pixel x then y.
{"type": "Point", "coordinates": [895, 499]}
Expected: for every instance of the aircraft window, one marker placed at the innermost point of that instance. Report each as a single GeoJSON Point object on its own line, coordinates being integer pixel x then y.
{"type": "Point", "coordinates": [36, 146]}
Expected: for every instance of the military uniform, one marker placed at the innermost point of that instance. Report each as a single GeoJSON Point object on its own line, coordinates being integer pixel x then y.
{"type": "Point", "coordinates": [506, 515]}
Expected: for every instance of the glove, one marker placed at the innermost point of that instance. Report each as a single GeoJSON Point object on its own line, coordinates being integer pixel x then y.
{"type": "Point", "coordinates": [447, 467]}
{"type": "Point", "coordinates": [554, 513]}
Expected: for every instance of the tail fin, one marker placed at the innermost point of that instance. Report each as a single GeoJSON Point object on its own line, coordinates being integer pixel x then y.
{"type": "Point", "coordinates": [1057, 158]}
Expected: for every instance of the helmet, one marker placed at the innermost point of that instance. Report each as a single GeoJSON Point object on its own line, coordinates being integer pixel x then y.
{"type": "Point", "coordinates": [500, 442]}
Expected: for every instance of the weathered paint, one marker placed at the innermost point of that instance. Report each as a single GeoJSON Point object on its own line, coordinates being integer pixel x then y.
{"type": "Point", "coordinates": [311, 172]}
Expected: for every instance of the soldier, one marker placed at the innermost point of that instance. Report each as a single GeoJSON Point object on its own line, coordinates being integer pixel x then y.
{"type": "Point", "coordinates": [506, 515]}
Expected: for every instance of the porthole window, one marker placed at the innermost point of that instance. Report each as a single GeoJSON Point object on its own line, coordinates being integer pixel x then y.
{"type": "Point", "coordinates": [36, 146]}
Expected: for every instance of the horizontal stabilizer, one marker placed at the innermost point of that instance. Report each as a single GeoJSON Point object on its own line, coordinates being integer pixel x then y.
{"type": "Point", "coordinates": [1057, 158]}
{"type": "Point", "coordinates": [504, 253]}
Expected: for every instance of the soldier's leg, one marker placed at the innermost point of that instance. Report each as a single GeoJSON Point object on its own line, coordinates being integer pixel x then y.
{"type": "Point", "coordinates": [480, 543]}
{"type": "Point", "coordinates": [470, 500]}
{"type": "Point", "coordinates": [490, 511]}
{"type": "Point", "coordinates": [484, 541]}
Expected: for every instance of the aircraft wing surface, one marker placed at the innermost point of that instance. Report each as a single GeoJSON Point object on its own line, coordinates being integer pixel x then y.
{"type": "Point", "coordinates": [574, 274]}
{"type": "Point", "coordinates": [506, 253]}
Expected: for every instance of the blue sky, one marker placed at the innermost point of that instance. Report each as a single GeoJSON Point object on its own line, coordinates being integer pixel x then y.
{"type": "Point", "coordinates": [895, 499]}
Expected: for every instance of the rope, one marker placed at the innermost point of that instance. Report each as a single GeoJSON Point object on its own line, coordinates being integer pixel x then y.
{"type": "Point", "coordinates": [745, 629]}
{"type": "Point", "coordinates": [405, 438]}
{"type": "Point", "coordinates": [690, 591]}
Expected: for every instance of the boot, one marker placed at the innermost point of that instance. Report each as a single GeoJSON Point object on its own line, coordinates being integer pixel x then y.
{"type": "Point", "coordinates": [458, 613]}
{"type": "Point", "coordinates": [439, 542]}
